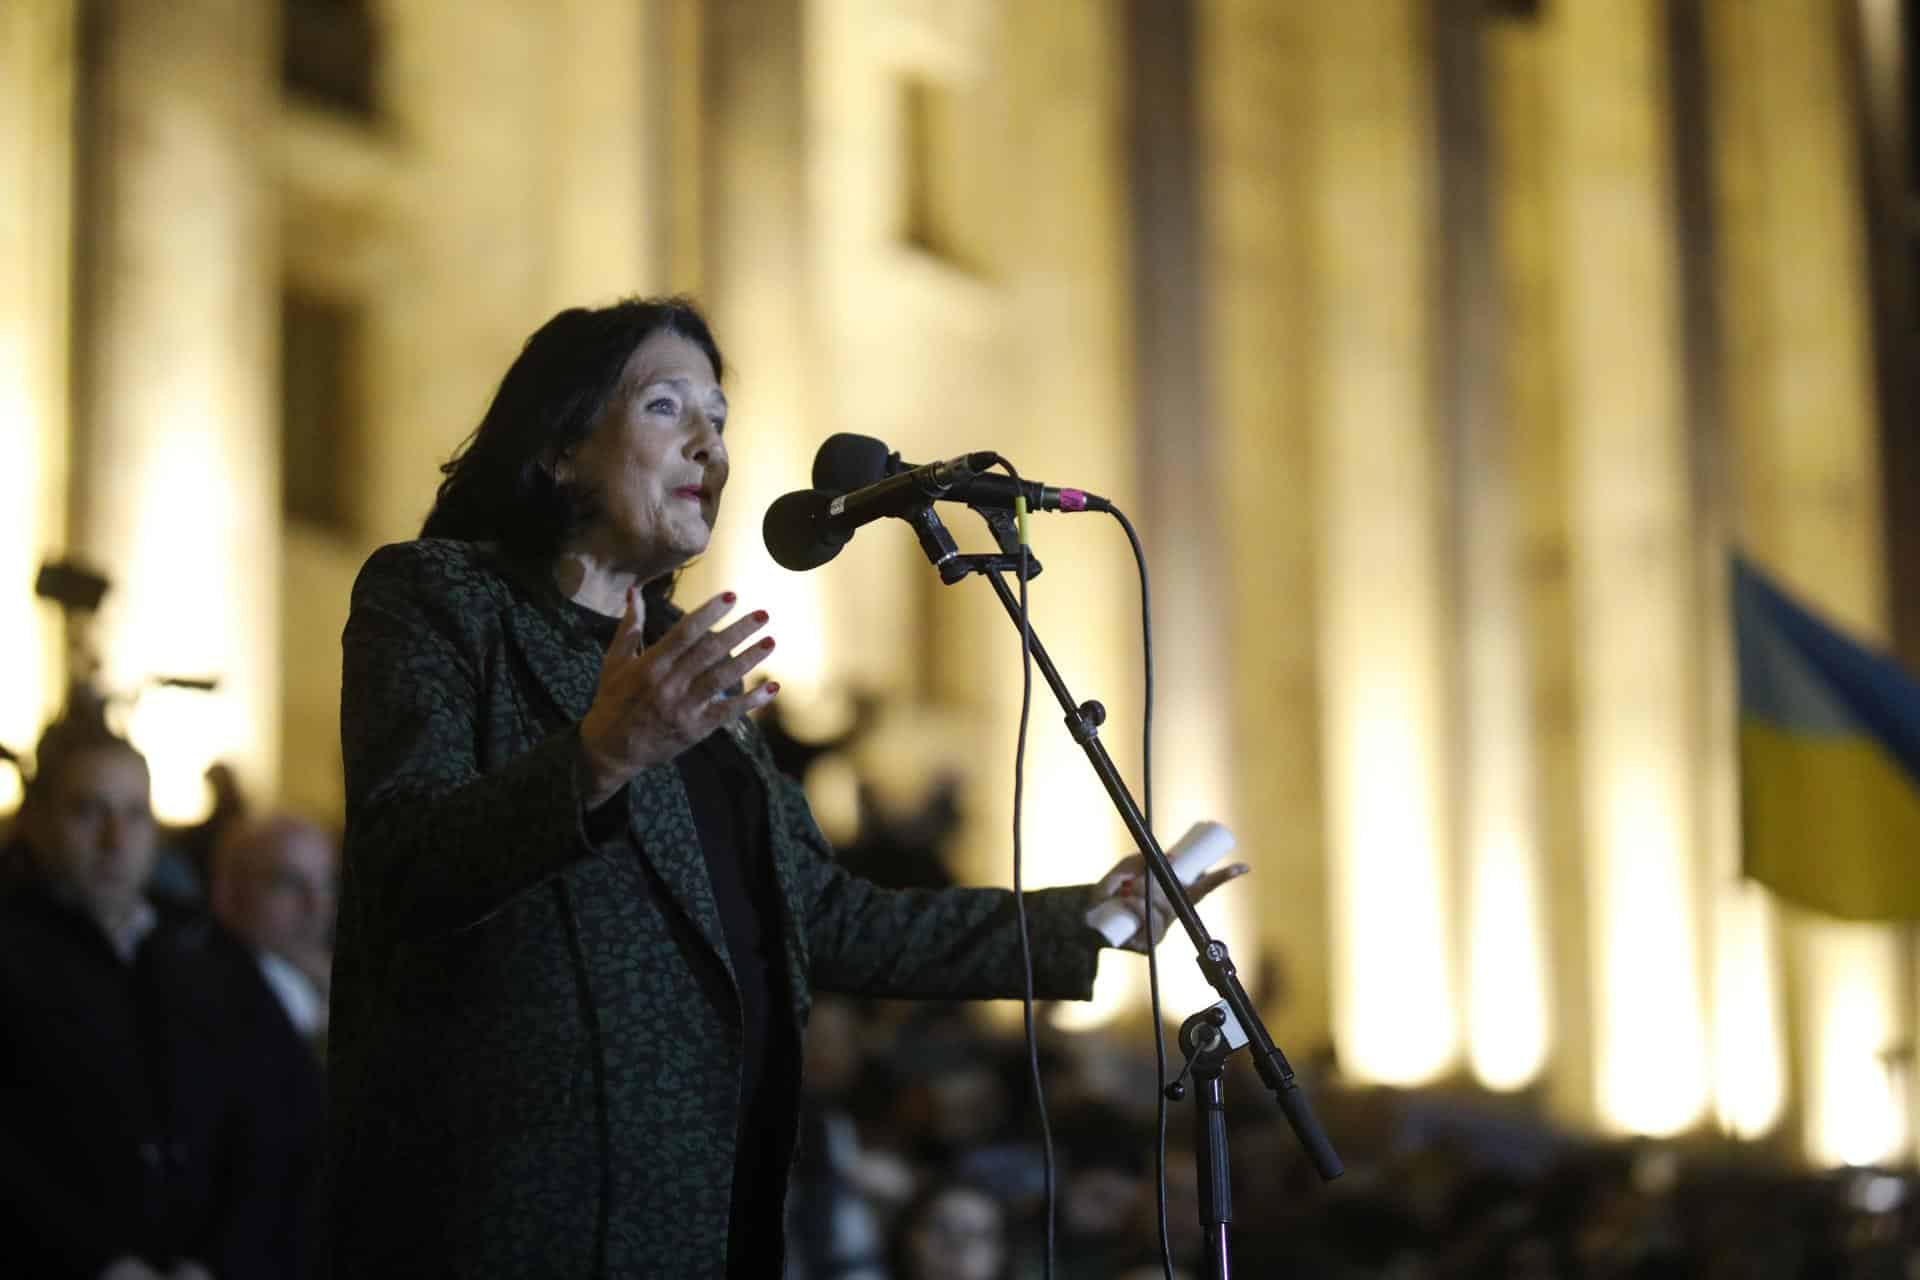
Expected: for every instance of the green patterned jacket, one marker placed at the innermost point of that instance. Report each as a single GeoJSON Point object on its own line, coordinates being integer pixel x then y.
{"type": "Point", "coordinates": [534, 1044]}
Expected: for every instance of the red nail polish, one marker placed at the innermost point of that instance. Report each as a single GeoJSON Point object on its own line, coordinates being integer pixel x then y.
{"type": "Point", "coordinates": [773, 686]}
{"type": "Point", "coordinates": [767, 643]}
{"type": "Point", "coordinates": [760, 615]}
{"type": "Point", "coordinates": [727, 597]}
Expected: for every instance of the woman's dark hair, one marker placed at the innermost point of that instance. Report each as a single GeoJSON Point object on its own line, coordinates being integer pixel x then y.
{"type": "Point", "coordinates": [500, 485]}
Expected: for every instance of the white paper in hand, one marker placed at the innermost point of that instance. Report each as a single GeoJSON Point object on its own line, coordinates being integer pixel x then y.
{"type": "Point", "coordinates": [1204, 844]}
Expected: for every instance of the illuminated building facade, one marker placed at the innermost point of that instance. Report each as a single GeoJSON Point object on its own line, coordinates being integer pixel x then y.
{"type": "Point", "coordinates": [1441, 349]}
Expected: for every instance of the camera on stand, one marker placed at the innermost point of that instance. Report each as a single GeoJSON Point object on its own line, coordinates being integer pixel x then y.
{"type": "Point", "coordinates": [76, 590]}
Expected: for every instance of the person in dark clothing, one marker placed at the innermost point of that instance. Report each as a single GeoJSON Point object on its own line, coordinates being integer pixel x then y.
{"type": "Point", "coordinates": [279, 1067]}
{"type": "Point", "coordinates": [274, 881]}
{"type": "Point", "coordinates": [137, 1138]}
{"type": "Point", "coordinates": [582, 915]}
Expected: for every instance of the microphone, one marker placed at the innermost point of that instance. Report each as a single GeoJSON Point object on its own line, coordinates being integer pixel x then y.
{"type": "Point", "coordinates": [806, 528]}
{"type": "Point", "coordinates": [857, 479]}
{"type": "Point", "coordinates": [847, 462]}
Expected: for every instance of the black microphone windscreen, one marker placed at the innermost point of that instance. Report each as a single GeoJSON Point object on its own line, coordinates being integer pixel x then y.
{"type": "Point", "coordinates": [847, 462]}
{"type": "Point", "coordinates": [796, 532]}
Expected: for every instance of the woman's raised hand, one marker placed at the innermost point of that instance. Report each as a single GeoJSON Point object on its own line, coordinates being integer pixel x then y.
{"type": "Point", "coordinates": [655, 702]}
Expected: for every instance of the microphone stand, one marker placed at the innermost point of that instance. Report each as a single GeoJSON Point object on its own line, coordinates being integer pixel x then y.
{"type": "Point", "coordinates": [1212, 1034]}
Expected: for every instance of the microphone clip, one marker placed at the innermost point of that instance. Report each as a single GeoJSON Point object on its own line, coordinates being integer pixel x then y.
{"type": "Point", "coordinates": [944, 555]}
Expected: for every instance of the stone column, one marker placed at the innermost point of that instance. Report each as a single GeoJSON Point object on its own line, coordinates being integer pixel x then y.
{"type": "Point", "coordinates": [755, 262]}
{"type": "Point", "coordinates": [1381, 595]}
{"type": "Point", "coordinates": [1183, 522]}
{"type": "Point", "coordinates": [1806, 464]}
{"type": "Point", "coordinates": [1520, 83]}
{"type": "Point", "coordinates": [1253, 75]}
{"type": "Point", "coordinates": [1632, 546]}
{"type": "Point", "coordinates": [1184, 515]}
{"type": "Point", "coordinates": [37, 50]}
{"type": "Point", "coordinates": [606, 148]}
{"type": "Point", "coordinates": [1064, 358]}
{"type": "Point", "coordinates": [176, 485]}
{"type": "Point", "coordinates": [1741, 928]}
{"type": "Point", "coordinates": [478, 225]}
{"type": "Point", "coordinates": [37, 68]}
{"type": "Point", "coordinates": [1499, 922]}
{"type": "Point", "coordinates": [1067, 340]}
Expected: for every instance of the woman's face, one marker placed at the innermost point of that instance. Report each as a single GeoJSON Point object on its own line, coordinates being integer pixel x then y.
{"type": "Point", "coordinates": [655, 462]}
{"type": "Point", "coordinates": [960, 1236]}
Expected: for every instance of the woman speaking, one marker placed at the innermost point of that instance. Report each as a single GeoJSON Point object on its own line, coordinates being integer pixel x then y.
{"type": "Point", "coordinates": [581, 913]}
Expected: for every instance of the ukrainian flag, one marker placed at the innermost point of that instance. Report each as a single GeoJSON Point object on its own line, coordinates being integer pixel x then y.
{"type": "Point", "coordinates": [1829, 761]}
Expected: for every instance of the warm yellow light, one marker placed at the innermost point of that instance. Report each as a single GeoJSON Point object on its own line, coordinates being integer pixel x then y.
{"type": "Point", "coordinates": [904, 750]}
{"type": "Point", "coordinates": [180, 463]}
{"type": "Point", "coordinates": [1506, 995]}
{"type": "Point", "coordinates": [1382, 607]}
{"type": "Point", "coordinates": [1796, 305]}
{"type": "Point", "coordinates": [1397, 1010]}
{"type": "Point", "coordinates": [1067, 840]}
{"type": "Point", "coordinates": [1653, 1070]}
{"type": "Point", "coordinates": [736, 560]}
{"type": "Point", "coordinates": [820, 715]}
{"type": "Point", "coordinates": [1506, 998]}
{"type": "Point", "coordinates": [1749, 1084]}
{"type": "Point", "coordinates": [181, 732]}
{"type": "Point", "coordinates": [1191, 786]}
{"type": "Point", "coordinates": [174, 610]}
{"type": "Point", "coordinates": [794, 605]}
{"type": "Point", "coordinates": [1856, 1115]}
{"type": "Point", "coordinates": [833, 793]}
{"type": "Point", "coordinates": [37, 44]}
{"type": "Point", "coordinates": [1631, 502]}
{"type": "Point", "coordinates": [1184, 989]}
{"type": "Point", "coordinates": [23, 690]}
{"type": "Point", "coordinates": [1117, 990]}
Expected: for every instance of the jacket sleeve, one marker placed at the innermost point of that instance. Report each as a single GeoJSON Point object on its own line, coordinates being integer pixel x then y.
{"type": "Point", "coordinates": [947, 943]}
{"type": "Point", "coordinates": [433, 842]}
{"type": "Point", "coordinates": [933, 943]}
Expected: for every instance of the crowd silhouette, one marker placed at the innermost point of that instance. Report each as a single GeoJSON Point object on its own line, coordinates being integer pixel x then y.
{"type": "Point", "coordinates": [164, 996]}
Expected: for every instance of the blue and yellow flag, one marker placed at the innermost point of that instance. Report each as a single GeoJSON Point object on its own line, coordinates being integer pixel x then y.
{"type": "Point", "coordinates": [1829, 761]}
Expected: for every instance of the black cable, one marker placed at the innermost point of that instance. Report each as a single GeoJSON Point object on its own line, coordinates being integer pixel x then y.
{"type": "Point", "coordinates": [1153, 961]}
{"type": "Point", "coordinates": [1019, 898]}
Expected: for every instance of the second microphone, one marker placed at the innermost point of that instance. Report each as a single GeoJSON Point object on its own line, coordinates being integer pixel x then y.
{"type": "Point", "coordinates": [858, 479]}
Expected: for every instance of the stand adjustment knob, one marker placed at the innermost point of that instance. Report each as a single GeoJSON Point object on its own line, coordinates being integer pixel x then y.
{"type": "Point", "coordinates": [1094, 712]}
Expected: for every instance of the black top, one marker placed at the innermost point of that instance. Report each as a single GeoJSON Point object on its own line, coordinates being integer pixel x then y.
{"type": "Point", "coordinates": [729, 811]}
